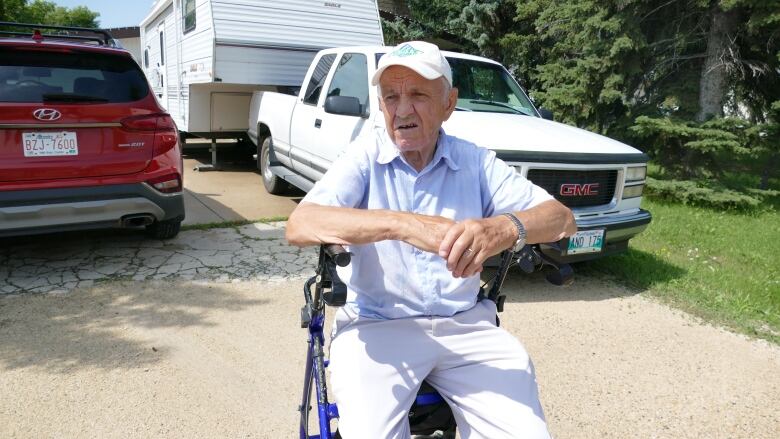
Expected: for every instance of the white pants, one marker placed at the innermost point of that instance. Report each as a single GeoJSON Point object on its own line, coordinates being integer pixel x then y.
{"type": "Point", "coordinates": [482, 371]}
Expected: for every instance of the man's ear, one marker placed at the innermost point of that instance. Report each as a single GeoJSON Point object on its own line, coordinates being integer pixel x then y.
{"type": "Point", "coordinates": [452, 102]}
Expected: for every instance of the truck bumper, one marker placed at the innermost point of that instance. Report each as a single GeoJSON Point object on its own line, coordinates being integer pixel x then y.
{"type": "Point", "coordinates": [617, 232]}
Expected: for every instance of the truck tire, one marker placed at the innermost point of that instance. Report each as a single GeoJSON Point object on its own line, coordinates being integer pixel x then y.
{"type": "Point", "coordinates": [273, 184]}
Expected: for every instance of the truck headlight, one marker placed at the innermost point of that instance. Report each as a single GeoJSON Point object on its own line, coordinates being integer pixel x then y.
{"type": "Point", "coordinates": [633, 191]}
{"type": "Point", "coordinates": [636, 173]}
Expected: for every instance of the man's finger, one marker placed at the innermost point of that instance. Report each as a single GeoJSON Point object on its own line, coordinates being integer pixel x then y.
{"type": "Point", "coordinates": [474, 267]}
{"type": "Point", "coordinates": [458, 249]}
{"type": "Point", "coordinates": [465, 261]}
{"type": "Point", "coordinates": [450, 237]}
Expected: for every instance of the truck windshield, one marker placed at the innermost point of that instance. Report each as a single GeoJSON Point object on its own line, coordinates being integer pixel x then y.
{"type": "Point", "coordinates": [487, 87]}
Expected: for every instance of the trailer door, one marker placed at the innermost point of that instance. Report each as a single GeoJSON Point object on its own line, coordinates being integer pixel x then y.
{"type": "Point", "coordinates": [162, 71]}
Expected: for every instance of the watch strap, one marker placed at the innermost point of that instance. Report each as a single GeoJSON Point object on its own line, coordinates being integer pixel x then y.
{"type": "Point", "coordinates": [521, 235]}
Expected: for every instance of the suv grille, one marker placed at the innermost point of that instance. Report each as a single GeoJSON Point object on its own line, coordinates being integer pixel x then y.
{"type": "Point", "coordinates": [577, 188]}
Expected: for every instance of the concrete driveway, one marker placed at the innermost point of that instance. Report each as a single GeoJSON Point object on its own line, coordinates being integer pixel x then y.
{"type": "Point", "coordinates": [233, 193]}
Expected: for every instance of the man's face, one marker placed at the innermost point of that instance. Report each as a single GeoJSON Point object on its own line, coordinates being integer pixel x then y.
{"type": "Point", "coordinates": [414, 107]}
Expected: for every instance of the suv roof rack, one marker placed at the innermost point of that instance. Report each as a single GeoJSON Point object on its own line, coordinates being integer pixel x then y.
{"type": "Point", "coordinates": [101, 36]}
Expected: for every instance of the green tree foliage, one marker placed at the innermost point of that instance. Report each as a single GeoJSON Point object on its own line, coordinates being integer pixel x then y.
{"type": "Point", "coordinates": [696, 83]}
{"type": "Point", "coordinates": [47, 12]}
{"type": "Point", "coordinates": [581, 59]}
{"type": "Point", "coordinates": [746, 60]}
{"type": "Point", "coordinates": [430, 19]}
{"type": "Point", "coordinates": [11, 10]}
{"type": "Point", "coordinates": [693, 150]}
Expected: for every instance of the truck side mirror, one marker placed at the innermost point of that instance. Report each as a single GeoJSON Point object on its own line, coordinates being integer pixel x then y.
{"type": "Point", "coordinates": [545, 113]}
{"type": "Point", "coordinates": [344, 105]}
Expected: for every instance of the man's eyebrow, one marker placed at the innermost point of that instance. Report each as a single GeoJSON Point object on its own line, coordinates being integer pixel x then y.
{"type": "Point", "coordinates": [392, 90]}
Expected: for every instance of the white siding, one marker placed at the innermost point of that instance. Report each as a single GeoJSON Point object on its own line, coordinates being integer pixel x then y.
{"type": "Point", "coordinates": [173, 85]}
{"type": "Point", "coordinates": [297, 23]}
{"type": "Point", "coordinates": [197, 46]}
{"type": "Point", "coordinates": [202, 97]}
{"type": "Point", "coordinates": [133, 45]}
{"type": "Point", "coordinates": [248, 65]}
{"type": "Point", "coordinates": [150, 42]}
{"type": "Point", "coordinates": [238, 46]}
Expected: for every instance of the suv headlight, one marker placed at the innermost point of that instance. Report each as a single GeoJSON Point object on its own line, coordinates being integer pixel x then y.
{"type": "Point", "coordinates": [636, 173]}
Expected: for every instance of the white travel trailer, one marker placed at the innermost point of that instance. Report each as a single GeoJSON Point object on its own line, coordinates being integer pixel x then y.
{"type": "Point", "coordinates": [204, 58]}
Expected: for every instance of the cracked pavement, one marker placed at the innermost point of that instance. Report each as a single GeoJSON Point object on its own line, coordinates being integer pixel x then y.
{"type": "Point", "coordinates": [251, 252]}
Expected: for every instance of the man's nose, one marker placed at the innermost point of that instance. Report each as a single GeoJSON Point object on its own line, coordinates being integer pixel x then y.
{"type": "Point", "coordinates": [405, 107]}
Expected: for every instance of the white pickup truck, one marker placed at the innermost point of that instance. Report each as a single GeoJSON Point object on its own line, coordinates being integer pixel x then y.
{"type": "Point", "coordinates": [600, 179]}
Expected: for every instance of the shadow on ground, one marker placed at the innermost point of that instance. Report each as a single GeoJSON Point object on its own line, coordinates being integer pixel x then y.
{"type": "Point", "coordinates": [622, 275]}
{"type": "Point", "coordinates": [230, 156]}
{"type": "Point", "coordinates": [43, 240]}
{"type": "Point", "coordinates": [94, 328]}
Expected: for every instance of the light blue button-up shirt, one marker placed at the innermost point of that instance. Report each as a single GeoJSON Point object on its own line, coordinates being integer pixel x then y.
{"type": "Point", "coordinates": [393, 279]}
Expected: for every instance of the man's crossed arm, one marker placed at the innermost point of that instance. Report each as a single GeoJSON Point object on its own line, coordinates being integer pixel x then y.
{"type": "Point", "coordinates": [465, 244]}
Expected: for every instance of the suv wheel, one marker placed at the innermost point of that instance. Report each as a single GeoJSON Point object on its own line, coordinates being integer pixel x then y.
{"type": "Point", "coordinates": [163, 229]}
{"type": "Point", "coordinates": [273, 184]}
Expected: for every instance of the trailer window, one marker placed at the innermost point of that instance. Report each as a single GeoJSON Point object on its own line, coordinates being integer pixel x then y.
{"type": "Point", "coordinates": [162, 49]}
{"type": "Point", "coordinates": [317, 79]}
{"type": "Point", "coordinates": [188, 15]}
{"type": "Point", "coordinates": [351, 78]}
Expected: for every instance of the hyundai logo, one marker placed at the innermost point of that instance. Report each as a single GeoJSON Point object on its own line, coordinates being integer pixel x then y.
{"type": "Point", "coordinates": [46, 114]}
{"type": "Point", "coordinates": [575, 189]}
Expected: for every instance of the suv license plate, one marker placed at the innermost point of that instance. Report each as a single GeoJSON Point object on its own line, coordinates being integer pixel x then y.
{"type": "Point", "coordinates": [586, 241]}
{"type": "Point", "coordinates": [49, 143]}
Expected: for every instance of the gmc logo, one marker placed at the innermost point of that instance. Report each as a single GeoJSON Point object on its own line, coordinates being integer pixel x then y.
{"type": "Point", "coordinates": [576, 189]}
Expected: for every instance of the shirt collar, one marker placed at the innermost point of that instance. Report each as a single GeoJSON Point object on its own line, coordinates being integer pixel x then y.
{"type": "Point", "coordinates": [388, 151]}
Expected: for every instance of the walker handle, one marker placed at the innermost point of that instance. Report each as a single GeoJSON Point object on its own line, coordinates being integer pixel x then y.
{"type": "Point", "coordinates": [338, 254]}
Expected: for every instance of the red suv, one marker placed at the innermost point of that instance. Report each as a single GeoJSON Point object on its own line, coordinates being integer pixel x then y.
{"type": "Point", "coordinates": [83, 141]}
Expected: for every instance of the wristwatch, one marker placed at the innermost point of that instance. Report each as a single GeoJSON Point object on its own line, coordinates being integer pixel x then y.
{"type": "Point", "coordinates": [520, 243]}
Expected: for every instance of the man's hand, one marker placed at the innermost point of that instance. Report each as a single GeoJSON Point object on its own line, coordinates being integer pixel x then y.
{"type": "Point", "coordinates": [468, 244]}
{"type": "Point", "coordinates": [426, 232]}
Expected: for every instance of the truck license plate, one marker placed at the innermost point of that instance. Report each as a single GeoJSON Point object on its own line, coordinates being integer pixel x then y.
{"type": "Point", "coordinates": [49, 143]}
{"type": "Point", "coordinates": [586, 241]}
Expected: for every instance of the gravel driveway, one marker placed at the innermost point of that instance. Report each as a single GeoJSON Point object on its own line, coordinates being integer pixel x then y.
{"type": "Point", "coordinates": [219, 353]}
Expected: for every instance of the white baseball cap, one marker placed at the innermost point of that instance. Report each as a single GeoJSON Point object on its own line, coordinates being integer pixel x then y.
{"type": "Point", "coordinates": [424, 58]}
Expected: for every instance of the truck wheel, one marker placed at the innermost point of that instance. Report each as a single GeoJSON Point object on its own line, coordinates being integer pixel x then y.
{"type": "Point", "coordinates": [163, 229]}
{"type": "Point", "coordinates": [273, 184]}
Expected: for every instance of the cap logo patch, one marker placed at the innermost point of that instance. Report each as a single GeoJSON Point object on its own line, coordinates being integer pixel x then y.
{"type": "Point", "coordinates": [405, 50]}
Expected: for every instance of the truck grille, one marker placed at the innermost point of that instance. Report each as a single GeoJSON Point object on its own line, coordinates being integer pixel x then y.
{"type": "Point", "coordinates": [577, 188]}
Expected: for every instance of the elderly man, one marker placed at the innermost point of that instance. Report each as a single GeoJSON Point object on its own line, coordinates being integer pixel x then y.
{"type": "Point", "coordinates": [421, 211]}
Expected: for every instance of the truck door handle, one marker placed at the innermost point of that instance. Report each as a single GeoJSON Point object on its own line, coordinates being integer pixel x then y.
{"type": "Point", "coordinates": [317, 123]}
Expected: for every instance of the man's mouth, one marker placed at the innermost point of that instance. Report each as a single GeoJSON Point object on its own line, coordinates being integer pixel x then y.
{"type": "Point", "coordinates": [407, 126]}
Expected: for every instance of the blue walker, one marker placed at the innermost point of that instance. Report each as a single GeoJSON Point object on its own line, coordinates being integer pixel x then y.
{"type": "Point", "coordinates": [429, 416]}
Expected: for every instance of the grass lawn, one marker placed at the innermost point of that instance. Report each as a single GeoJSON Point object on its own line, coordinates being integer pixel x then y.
{"type": "Point", "coordinates": [721, 266]}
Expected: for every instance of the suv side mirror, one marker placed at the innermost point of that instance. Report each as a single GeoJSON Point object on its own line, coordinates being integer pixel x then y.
{"type": "Point", "coordinates": [546, 114]}
{"type": "Point", "coordinates": [344, 105]}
